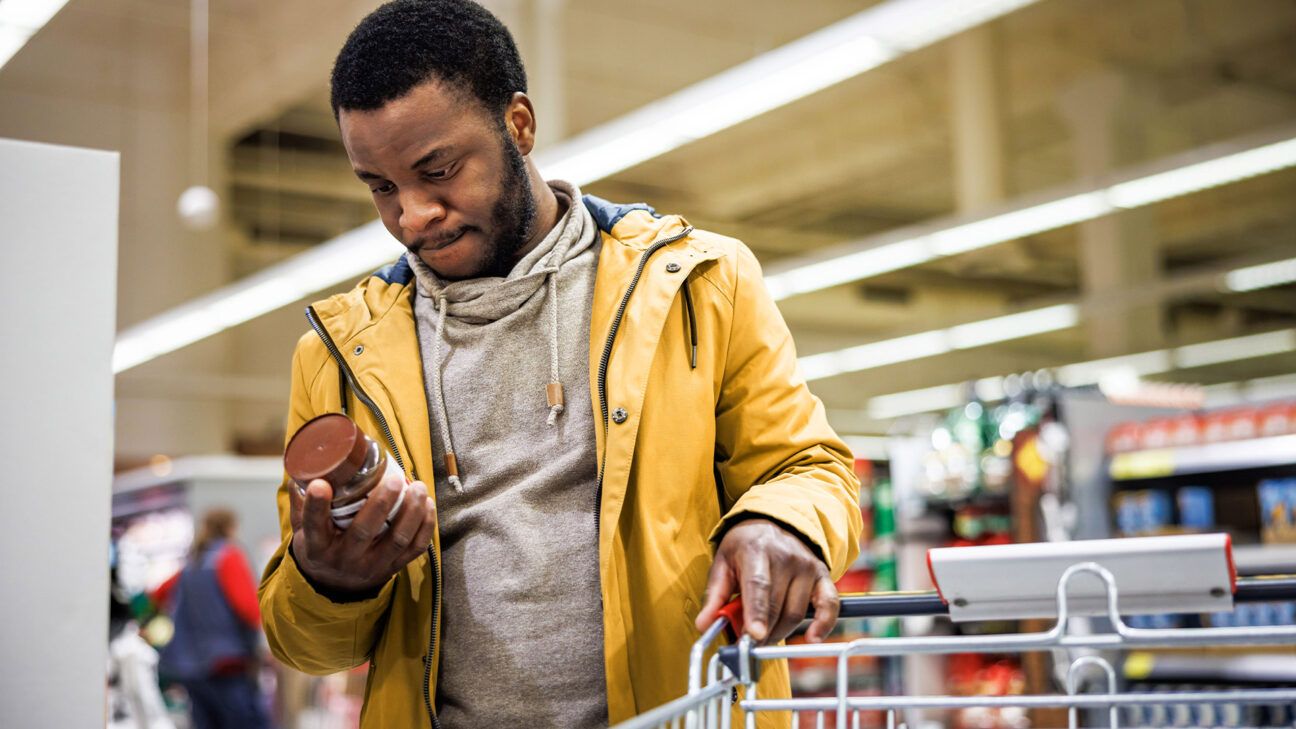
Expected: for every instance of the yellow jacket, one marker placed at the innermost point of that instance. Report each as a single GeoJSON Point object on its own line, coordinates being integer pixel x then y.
{"type": "Point", "coordinates": [685, 450]}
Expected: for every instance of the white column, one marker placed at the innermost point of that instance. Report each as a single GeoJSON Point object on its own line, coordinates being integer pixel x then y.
{"type": "Point", "coordinates": [1117, 252]}
{"type": "Point", "coordinates": [976, 120]}
{"type": "Point", "coordinates": [58, 287]}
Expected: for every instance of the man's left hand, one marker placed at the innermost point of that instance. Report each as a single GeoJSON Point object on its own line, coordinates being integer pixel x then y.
{"type": "Point", "coordinates": [777, 576]}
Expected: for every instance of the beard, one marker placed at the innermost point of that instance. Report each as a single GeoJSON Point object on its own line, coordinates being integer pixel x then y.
{"type": "Point", "coordinates": [514, 213]}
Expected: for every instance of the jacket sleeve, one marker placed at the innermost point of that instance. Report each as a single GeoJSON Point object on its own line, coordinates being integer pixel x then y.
{"type": "Point", "coordinates": [776, 455]}
{"type": "Point", "coordinates": [305, 629]}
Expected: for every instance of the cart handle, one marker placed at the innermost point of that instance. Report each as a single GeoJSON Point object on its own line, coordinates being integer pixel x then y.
{"type": "Point", "coordinates": [1262, 588]}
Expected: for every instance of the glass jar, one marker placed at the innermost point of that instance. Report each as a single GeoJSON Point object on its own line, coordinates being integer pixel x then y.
{"type": "Point", "coordinates": [332, 447]}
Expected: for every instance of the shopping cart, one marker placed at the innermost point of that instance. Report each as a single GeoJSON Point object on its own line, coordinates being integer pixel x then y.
{"type": "Point", "coordinates": [1087, 579]}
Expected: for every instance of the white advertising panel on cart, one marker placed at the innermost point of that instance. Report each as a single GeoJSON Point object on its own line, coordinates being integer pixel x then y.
{"type": "Point", "coordinates": [58, 293]}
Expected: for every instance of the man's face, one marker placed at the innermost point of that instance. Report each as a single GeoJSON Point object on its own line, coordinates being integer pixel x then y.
{"type": "Point", "coordinates": [447, 178]}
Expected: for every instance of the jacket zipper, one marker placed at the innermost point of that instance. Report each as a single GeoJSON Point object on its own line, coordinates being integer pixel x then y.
{"type": "Point", "coordinates": [363, 397]}
{"type": "Point", "coordinates": [607, 356]}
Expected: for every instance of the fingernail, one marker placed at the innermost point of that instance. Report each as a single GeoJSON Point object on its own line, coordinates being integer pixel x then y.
{"type": "Point", "coordinates": [757, 629]}
{"type": "Point", "coordinates": [394, 485]}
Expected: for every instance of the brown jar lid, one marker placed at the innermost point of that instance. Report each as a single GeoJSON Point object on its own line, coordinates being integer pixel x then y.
{"type": "Point", "coordinates": [329, 446]}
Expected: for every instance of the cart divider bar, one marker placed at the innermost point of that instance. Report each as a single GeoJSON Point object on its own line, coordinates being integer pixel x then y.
{"type": "Point", "coordinates": [1079, 701]}
{"type": "Point", "coordinates": [908, 604]}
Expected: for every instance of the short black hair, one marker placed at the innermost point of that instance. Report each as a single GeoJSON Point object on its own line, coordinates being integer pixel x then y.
{"type": "Point", "coordinates": [406, 43]}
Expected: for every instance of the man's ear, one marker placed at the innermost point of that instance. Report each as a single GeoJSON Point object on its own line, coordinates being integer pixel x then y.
{"type": "Point", "coordinates": [519, 119]}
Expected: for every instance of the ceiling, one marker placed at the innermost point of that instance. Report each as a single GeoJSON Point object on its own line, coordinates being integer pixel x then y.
{"type": "Point", "coordinates": [871, 154]}
{"type": "Point", "coordinates": [876, 152]}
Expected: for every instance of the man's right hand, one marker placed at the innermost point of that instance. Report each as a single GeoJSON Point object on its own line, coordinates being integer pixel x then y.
{"type": "Point", "coordinates": [362, 557]}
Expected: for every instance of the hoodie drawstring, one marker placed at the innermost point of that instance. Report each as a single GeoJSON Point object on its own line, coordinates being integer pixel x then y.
{"type": "Point", "coordinates": [554, 391]}
{"type": "Point", "coordinates": [451, 465]}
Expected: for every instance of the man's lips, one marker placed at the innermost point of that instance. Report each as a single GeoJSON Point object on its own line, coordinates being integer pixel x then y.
{"type": "Point", "coordinates": [439, 243]}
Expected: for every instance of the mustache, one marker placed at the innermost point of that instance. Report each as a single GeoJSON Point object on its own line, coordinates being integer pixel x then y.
{"type": "Point", "coordinates": [436, 241]}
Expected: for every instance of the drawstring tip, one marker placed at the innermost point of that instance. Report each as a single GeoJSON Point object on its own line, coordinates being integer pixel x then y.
{"type": "Point", "coordinates": [693, 359]}
{"type": "Point", "coordinates": [452, 472]}
{"type": "Point", "coordinates": [554, 396]}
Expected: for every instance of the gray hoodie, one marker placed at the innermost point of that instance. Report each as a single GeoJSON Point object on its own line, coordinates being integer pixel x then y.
{"type": "Point", "coordinates": [522, 625]}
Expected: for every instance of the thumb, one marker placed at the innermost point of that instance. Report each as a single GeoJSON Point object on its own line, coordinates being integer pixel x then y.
{"type": "Point", "coordinates": [721, 584]}
{"type": "Point", "coordinates": [294, 506]}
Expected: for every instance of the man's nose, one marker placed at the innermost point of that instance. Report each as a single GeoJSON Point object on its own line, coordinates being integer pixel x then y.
{"type": "Point", "coordinates": [419, 211]}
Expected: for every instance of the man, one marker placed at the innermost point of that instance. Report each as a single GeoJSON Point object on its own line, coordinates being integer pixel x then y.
{"type": "Point", "coordinates": [603, 403]}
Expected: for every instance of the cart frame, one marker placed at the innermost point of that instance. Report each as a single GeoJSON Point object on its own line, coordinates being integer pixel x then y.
{"type": "Point", "coordinates": [707, 705]}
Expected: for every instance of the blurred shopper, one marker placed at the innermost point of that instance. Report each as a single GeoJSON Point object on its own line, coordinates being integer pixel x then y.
{"type": "Point", "coordinates": [604, 402]}
{"type": "Point", "coordinates": [213, 653]}
{"type": "Point", "coordinates": [134, 699]}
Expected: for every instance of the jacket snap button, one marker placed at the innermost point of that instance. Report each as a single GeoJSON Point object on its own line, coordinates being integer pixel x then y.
{"type": "Point", "coordinates": [619, 416]}
{"type": "Point", "coordinates": [359, 350]}
{"type": "Point", "coordinates": [672, 267]}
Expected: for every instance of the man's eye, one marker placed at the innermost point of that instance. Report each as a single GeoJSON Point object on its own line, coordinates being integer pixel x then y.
{"type": "Point", "coordinates": [383, 189]}
{"type": "Point", "coordinates": [440, 174]}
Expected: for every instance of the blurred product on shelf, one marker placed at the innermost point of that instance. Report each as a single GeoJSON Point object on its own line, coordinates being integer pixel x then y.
{"type": "Point", "coordinates": [1194, 428]}
{"type": "Point", "coordinates": [978, 674]}
{"type": "Point", "coordinates": [981, 525]}
{"type": "Point", "coordinates": [1256, 614]}
{"type": "Point", "coordinates": [1196, 508]}
{"type": "Point", "coordinates": [1277, 510]}
{"type": "Point", "coordinates": [1143, 513]}
{"type": "Point", "coordinates": [1201, 715]}
{"type": "Point", "coordinates": [1278, 419]}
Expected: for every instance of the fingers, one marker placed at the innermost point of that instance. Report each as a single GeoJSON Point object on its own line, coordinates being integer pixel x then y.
{"type": "Point", "coordinates": [720, 587]}
{"type": "Point", "coordinates": [794, 605]}
{"type": "Point", "coordinates": [826, 605]}
{"type": "Point", "coordinates": [316, 522]}
{"type": "Point", "coordinates": [754, 576]}
{"type": "Point", "coordinates": [782, 574]}
{"type": "Point", "coordinates": [372, 518]}
{"type": "Point", "coordinates": [393, 546]}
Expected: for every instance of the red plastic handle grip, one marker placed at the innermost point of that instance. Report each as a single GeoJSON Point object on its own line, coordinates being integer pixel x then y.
{"type": "Point", "coordinates": [733, 615]}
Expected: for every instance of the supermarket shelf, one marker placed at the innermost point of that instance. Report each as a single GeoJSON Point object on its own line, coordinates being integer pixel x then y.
{"type": "Point", "coordinates": [1278, 450]}
{"type": "Point", "coordinates": [1263, 668]}
{"type": "Point", "coordinates": [1265, 559]}
{"type": "Point", "coordinates": [954, 503]}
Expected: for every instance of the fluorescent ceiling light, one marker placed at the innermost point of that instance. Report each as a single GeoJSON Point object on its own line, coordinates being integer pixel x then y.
{"type": "Point", "coordinates": [874, 354]}
{"type": "Point", "coordinates": [868, 447]}
{"type": "Point", "coordinates": [1019, 223]}
{"type": "Point", "coordinates": [1092, 372]}
{"type": "Point", "coordinates": [771, 80]}
{"type": "Point", "coordinates": [1260, 389]}
{"type": "Point", "coordinates": [1210, 166]}
{"type": "Point", "coordinates": [20, 20]}
{"type": "Point", "coordinates": [1231, 350]}
{"type": "Point", "coordinates": [938, 341]}
{"type": "Point", "coordinates": [943, 397]}
{"type": "Point", "coordinates": [1263, 276]}
{"type": "Point", "coordinates": [1202, 175]}
{"type": "Point", "coordinates": [1014, 326]}
{"type": "Point", "coordinates": [266, 290]}
{"type": "Point", "coordinates": [926, 400]}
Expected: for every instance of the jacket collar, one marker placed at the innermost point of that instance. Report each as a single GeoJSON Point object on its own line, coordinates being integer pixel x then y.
{"type": "Point", "coordinates": [636, 226]}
